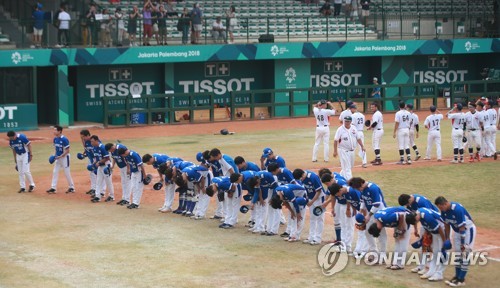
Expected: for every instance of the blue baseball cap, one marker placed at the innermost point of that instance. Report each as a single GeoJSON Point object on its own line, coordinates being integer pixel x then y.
{"type": "Point", "coordinates": [39, 5]}
{"type": "Point", "coordinates": [266, 152]}
{"type": "Point", "coordinates": [199, 157]}
{"type": "Point", "coordinates": [360, 218]}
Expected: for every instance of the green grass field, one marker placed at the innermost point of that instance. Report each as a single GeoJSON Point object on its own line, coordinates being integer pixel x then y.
{"type": "Point", "coordinates": [65, 241]}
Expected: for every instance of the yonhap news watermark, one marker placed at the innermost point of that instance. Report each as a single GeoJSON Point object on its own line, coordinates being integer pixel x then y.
{"type": "Point", "coordinates": [333, 258]}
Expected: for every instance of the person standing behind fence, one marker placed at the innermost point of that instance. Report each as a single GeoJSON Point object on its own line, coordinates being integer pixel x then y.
{"type": "Point", "coordinates": [232, 22]}
{"type": "Point", "coordinates": [337, 6]}
{"type": "Point", "coordinates": [161, 18]}
{"type": "Point", "coordinates": [376, 89]}
{"type": "Point", "coordinates": [105, 32]}
{"type": "Point", "coordinates": [63, 27]}
{"type": "Point", "coordinates": [39, 23]}
{"type": "Point", "coordinates": [132, 25]}
{"type": "Point", "coordinates": [120, 25]}
{"type": "Point", "coordinates": [184, 25]}
{"type": "Point", "coordinates": [92, 25]}
{"type": "Point", "coordinates": [147, 23]}
{"type": "Point", "coordinates": [196, 20]}
{"type": "Point", "coordinates": [365, 10]}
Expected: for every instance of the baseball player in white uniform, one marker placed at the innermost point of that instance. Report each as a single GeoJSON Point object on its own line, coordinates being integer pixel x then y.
{"type": "Point", "coordinates": [457, 132]}
{"type": "Point", "coordinates": [346, 112]}
{"type": "Point", "coordinates": [490, 130]}
{"type": "Point", "coordinates": [322, 115]}
{"type": "Point", "coordinates": [345, 141]}
{"type": "Point", "coordinates": [377, 125]}
{"type": "Point", "coordinates": [483, 119]}
{"type": "Point", "coordinates": [413, 130]}
{"type": "Point", "coordinates": [433, 124]}
{"type": "Point", "coordinates": [21, 149]}
{"type": "Point", "coordinates": [402, 131]}
{"type": "Point", "coordinates": [473, 124]}
{"type": "Point", "coordinates": [358, 121]}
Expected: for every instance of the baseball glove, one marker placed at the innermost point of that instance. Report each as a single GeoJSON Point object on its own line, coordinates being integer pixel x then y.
{"type": "Point", "coordinates": [417, 244]}
{"type": "Point", "coordinates": [360, 226]}
{"type": "Point", "coordinates": [464, 139]}
{"type": "Point", "coordinates": [398, 233]}
{"type": "Point", "coordinates": [224, 132]}
{"type": "Point", "coordinates": [52, 159]}
{"type": "Point", "coordinates": [80, 156]}
{"type": "Point", "coordinates": [147, 179]}
{"type": "Point", "coordinates": [368, 123]}
{"type": "Point", "coordinates": [248, 197]}
{"type": "Point", "coordinates": [220, 196]}
{"type": "Point", "coordinates": [158, 186]}
{"type": "Point", "coordinates": [427, 242]}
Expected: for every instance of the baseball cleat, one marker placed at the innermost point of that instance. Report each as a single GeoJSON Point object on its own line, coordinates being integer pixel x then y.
{"type": "Point", "coordinates": [228, 226]}
{"type": "Point", "coordinates": [165, 210]}
{"type": "Point", "coordinates": [257, 232]}
{"type": "Point", "coordinates": [91, 191]}
{"type": "Point", "coordinates": [95, 200]}
{"type": "Point", "coordinates": [377, 163]}
{"type": "Point", "coordinates": [457, 283]}
{"type": "Point", "coordinates": [495, 156]}
{"type": "Point", "coordinates": [364, 165]}
{"type": "Point", "coordinates": [478, 157]}
{"type": "Point", "coordinates": [314, 243]}
{"type": "Point", "coordinates": [292, 239]}
{"type": "Point", "coordinates": [284, 234]}
{"type": "Point", "coordinates": [70, 190]}
{"type": "Point", "coordinates": [250, 224]}
{"type": "Point", "coordinates": [417, 157]}
{"type": "Point", "coordinates": [415, 270]}
{"type": "Point", "coordinates": [435, 278]}
{"type": "Point", "coordinates": [161, 208]}
{"type": "Point", "coordinates": [32, 187]}
{"type": "Point", "coordinates": [199, 217]}
{"type": "Point", "coordinates": [397, 267]}
{"type": "Point", "coordinates": [374, 161]}
{"type": "Point", "coordinates": [454, 161]}
{"type": "Point", "coordinates": [188, 214]}
{"type": "Point", "coordinates": [215, 217]}
{"type": "Point", "coordinates": [439, 160]}
{"type": "Point", "coordinates": [223, 225]}
{"type": "Point", "coordinates": [109, 199]}
{"type": "Point", "coordinates": [454, 279]}
{"type": "Point", "coordinates": [270, 234]}
{"type": "Point", "coordinates": [263, 233]}
{"type": "Point", "coordinates": [408, 162]}
{"type": "Point", "coordinates": [22, 190]}
{"type": "Point", "coordinates": [400, 163]}
{"type": "Point", "coordinates": [133, 206]}
{"type": "Point", "coordinates": [51, 191]}
{"type": "Point", "coordinates": [422, 272]}
{"type": "Point", "coordinates": [425, 276]}
{"type": "Point", "coordinates": [307, 241]}
{"type": "Point", "coordinates": [314, 161]}
{"type": "Point", "coordinates": [471, 159]}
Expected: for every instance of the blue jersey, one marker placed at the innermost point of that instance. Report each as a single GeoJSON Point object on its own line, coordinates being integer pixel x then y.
{"type": "Point", "coordinates": [134, 160]}
{"type": "Point", "coordinates": [430, 219]}
{"type": "Point", "coordinates": [342, 182]}
{"type": "Point", "coordinates": [278, 159]}
{"type": "Point", "coordinates": [456, 217]}
{"type": "Point", "coordinates": [119, 160]}
{"type": "Point", "coordinates": [267, 180]}
{"type": "Point", "coordinates": [421, 202]}
{"type": "Point", "coordinates": [389, 217]}
{"type": "Point", "coordinates": [195, 173]}
{"type": "Point", "coordinates": [60, 144]}
{"type": "Point", "coordinates": [372, 196]}
{"type": "Point", "coordinates": [181, 165]}
{"type": "Point", "coordinates": [216, 168]}
{"type": "Point", "coordinates": [291, 192]}
{"type": "Point", "coordinates": [247, 175]}
{"type": "Point", "coordinates": [227, 163]}
{"type": "Point", "coordinates": [285, 176]}
{"type": "Point", "coordinates": [19, 145]}
{"type": "Point", "coordinates": [89, 150]}
{"type": "Point", "coordinates": [312, 183]}
{"type": "Point", "coordinates": [353, 196]}
{"type": "Point", "coordinates": [172, 160]}
{"type": "Point", "coordinates": [100, 152]}
{"type": "Point", "coordinates": [159, 159]}
{"type": "Point", "coordinates": [251, 167]}
{"type": "Point", "coordinates": [223, 183]}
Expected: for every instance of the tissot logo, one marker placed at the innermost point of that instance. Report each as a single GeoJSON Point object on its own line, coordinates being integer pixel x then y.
{"type": "Point", "coordinates": [333, 66]}
{"type": "Point", "coordinates": [438, 61]}
{"type": "Point", "coordinates": [120, 74]}
{"type": "Point", "coordinates": [217, 69]}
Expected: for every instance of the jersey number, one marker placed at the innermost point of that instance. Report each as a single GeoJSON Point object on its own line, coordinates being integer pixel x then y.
{"type": "Point", "coordinates": [406, 118]}
{"type": "Point", "coordinates": [360, 121]}
{"type": "Point", "coordinates": [435, 122]}
{"type": "Point", "coordinates": [321, 118]}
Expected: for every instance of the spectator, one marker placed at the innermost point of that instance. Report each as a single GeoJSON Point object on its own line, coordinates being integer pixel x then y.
{"type": "Point", "coordinates": [147, 22]}
{"type": "Point", "coordinates": [170, 9]}
{"type": "Point", "coordinates": [162, 26]}
{"type": "Point", "coordinates": [196, 20]}
{"type": "Point", "coordinates": [38, 17]}
{"type": "Point", "coordinates": [132, 25]}
{"type": "Point", "coordinates": [155, 14]}
{"type": "Point", "coordinates": [376, 89]}
{"type": "Point", "coordinates": [365, 10]}
{"type": "Point", "coordinates": [231, 22]}
{"type": "Point", "coordinates": [105, 32]}
{"type": "Point", "coordinates": [63, 28]}
{"type": "Point", "coordinates": [337, 5]}
{"type": "Point", "coordinates": [218, 30]}
{"type": "Point", "coordinates": [120, 23]}
{"type": "Point", "coordinates": [92, 25]}
{"type": "Point", "coordinates": [184, 25]}
{"type": "Point", "coordinates": [348, 9]}
{"type": "Point", "coordinates": [326, 9]}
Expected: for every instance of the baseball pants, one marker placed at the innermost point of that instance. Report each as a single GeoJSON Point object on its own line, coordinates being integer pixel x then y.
{"type": "Point", "coordinates": [403, 136]}
{"type": "Point", "coordinates": [136, 187]}
{"type": "Point", "coordinates": [412, 138]}
{"type": "Point", "coordinates": [125, 180]}
{"type": "Point", "coordinates": [23, 169]}
{"type": "Point", "coordinates": [202, 205]}
{"type": "Point", "coordinates": [337, 218]}
{"type": "Point", "coordinates": [273, 219]}
{"type": "Point", "coordinates": [401, 248]}
{"type": "Point", "coordinates": [470, 239]}
{"type": "Point", "coordinates": [347, 226]}
{"type": "Point", "coordinates": [103, 181]}
{"type": "Point", "coordinates": [219, 211]}
{"type": "Point", "coordinates": [346, 162]}
{"type": "Point", "coordinates": [233, 207]}
{"type": "Point", "coordinates": [322, 135]}
{"type": "Point", "coordinates": [456, 138]}
{"type": "Point", "coordinates": [377, 135]}
{"type": "Point", "coordinates": [436, 268]}
{"type": "Point", "coordinates": [489, 140]}
{"type": "Point", "coordinates": [474, 139]}
{"type": "Point", "coordinates": [434, 137]}
{"type": "Point", "coordinates": [93, 176]}
{"type": "Point", "coordinates": [296, 227]}
{"type": "Point", "coordinates": [423, 258]}
{"type": "Point", "coordinates": [282, 217]}
{"type": "Point", "coordinates": [361, 243]}
{"type": "Point", "coordinates": [169, 195]}
{"type": "Point", "coordinates": [361, 154]}
{"type": "Point", "coordinates": [316, 223]}
{"type": "Point", "coordinates": [260, 216]}
{"type": "Point", "coordinates": [64, 164]}
{"type": "Point", "coordinates": [382, 239]}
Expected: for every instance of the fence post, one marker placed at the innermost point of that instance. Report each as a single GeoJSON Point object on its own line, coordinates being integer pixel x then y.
{"type": "Point", "coordinates": [127, 113]}
{"type": "Point", "coordinates": [171, 112]}
{"type": "Point", "coordinates": [290, 95]}
{"type": "Point", "coordinates": [105, 108]}
{"type": "Point", "coordinates": [149, 114]}
{"type": "Point", "coordinates": [212, 108]}
{"type": "Point", "coordinates": [252, 105]}
{"type": "Point", "coordinates": [232, 105]}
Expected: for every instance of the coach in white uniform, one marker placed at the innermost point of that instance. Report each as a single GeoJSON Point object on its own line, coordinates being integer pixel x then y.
{"type": "Point", "coordinates": [457, 132]}
{"type": "Point", "coordinates": [433, 124]}
{"type": "Point", "coordinates": [358, 121]}
{"type": "Point", "coordinates": [377, 125]}
{"type": "Point", "coordinates": [474, 124]}
{"type": "Point", "coordinates": [402, 131]}
{"type": "Point", "coordinates": [322, 115]}
{"type": "Point", "coordinates": [345, 141]}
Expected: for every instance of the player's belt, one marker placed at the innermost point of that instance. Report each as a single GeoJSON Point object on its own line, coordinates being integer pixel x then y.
{"type": "Point", "coordinates": [323, 125]}
{"type": "Point", "coordinates": [379, 129]}
{"type": "Point", "coordinates": [457, 128]}
{"type": "Point", "coordinates": [437, 130]}
{"type": "Point", "coordinates": [472, 129]}
{"type": "Point", "coordinates": [21, 153]}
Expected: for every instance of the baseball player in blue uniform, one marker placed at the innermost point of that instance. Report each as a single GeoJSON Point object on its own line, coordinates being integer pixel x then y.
{"type": "Point", "coordinates": [192, 177]}
{"type": "Point", "coordinates": [228, 167]}
{"type": "Point", "coordinates": [432, 223]}
{"type": "Point", "coordinates": [171, 173]}
{"type": "Point", "coordinates": [245, 165]}
{"type": "Point", "coordinates": [233, 193]}
{"type": "Point", "coordinates": [157, 160]}
{"type": "Point", "coordinates": [137, 173]}
{"type": "Point", "coordinates": [268, 157]}
{"type": "Point", "coordinates": [61, 146]}
{"type": "Point", "coordinates": [263, 184]}
{"type": "Point", "coordinates": [393, 217]}
{"type": "Point", "coordinates": [103, 165]}
{"type": "Point", "coordinates": [21, 149]}
{"type": "Point", "coordinates": [122, 165]}
{"type": "Point", "coordinates": [296, 196]}
{"type": "Point", "coordinates": [284, 176]}
{"type": "Point", "coordinates": [456, 217]}
{"type": "Point", "coordinates": [201, 206]}
{"type": "Point", "coordinates": [316, 196]}
{"type": "Point", "coordinates": [373, 200]}
{"type": "Point", "coordinates": [89, 153]}
{"type": "Point", "coordinates": [242, 178]}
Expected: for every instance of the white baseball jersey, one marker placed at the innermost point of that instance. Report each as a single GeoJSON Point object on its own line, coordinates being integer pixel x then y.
{"type": "Point", "coordinates": [492, 117]}
{"type": "Point", "coordinates": [403, 118]}
{"type": "Point", "coordinates": [433, 121]}
{"type": "Point", "coordinates": [358, 121]}
{"type": "Point", "coordinates": [472, 120]}
{"type": "Point", "coordinates": [457, 120]}
{"type": "Point", "coordinates": [344, 114]}
{"type": "Point", "coordinates": [323, 116]}
{"type": "Point", "coordinates": [413, 121]}
{"type": "Point", "coordinates": [379, 119]}
{"type": "Point", "coordinates": [347, 138]}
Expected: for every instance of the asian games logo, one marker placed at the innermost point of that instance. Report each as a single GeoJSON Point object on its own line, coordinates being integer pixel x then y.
{"type": "Point", "coordinates": [290, 75]}
{"type": "Point", "coordinates": [16, 57]}
{"type": "Point", "coordinates": [468, 46]}
{"type": "Point", "coordinates": [275, 50]}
